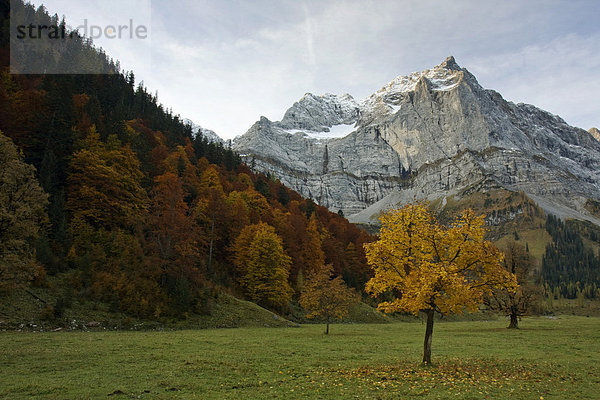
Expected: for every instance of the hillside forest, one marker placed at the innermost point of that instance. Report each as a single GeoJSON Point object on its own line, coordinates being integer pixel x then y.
{"type": "Point", "coordinates": [101, 183]}
{"type": "Point", "coordinates": [144, 213]}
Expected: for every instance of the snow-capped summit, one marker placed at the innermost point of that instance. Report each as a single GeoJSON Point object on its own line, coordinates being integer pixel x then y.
{"type": "Point", "coordinates": [429, 134]}
{"type": "Point", "coordinates": [442, 77]}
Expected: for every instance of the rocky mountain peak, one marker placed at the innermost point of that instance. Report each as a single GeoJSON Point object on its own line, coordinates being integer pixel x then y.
{"type": "Point", "coordinates": [429, 134]}
{"type": "Point", "coordinates": [441, 78]}
{"type": "Point", "coordinates": [319, 113]}
{"type": "Point", "coordinates": [450, 64]}
{"type": "Point", "coordinates": [595, 133]}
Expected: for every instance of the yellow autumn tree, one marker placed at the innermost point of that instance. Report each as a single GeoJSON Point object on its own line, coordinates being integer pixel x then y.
{"type": "Point", "coordinates": [327, 297]}
{"type": "Point", "coordinates": [431, 268]}
{"type": "Point", "coordinates": [22, 217]}
{"type": "Point", "coordinates": [262, 266]}
{"type": "Point", "coordinates": [105, 185]}
{"type": "Point", "coordinates": [312, 253]}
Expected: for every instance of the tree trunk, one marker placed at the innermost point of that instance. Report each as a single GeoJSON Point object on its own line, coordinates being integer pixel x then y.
{"type": "Point", "coordinates": [327, 329]}
{"type": "Point", "coordinates": [514, 321]}
{"type": "Point", "coordinates": [428, 336]}
{"type": "Point", "coordinates": [210, 250]}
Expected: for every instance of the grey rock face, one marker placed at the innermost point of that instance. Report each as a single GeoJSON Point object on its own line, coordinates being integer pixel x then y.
{"type": "Point", "coordinates": [426, 135]}
{"type": "Point", "coordinates": [333, 172]}
{"type": "Point", "coordinates": [319, 113]}
{"type": "Point", "coordinates": [208, 134]}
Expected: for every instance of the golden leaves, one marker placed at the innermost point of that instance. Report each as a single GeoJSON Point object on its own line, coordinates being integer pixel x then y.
{"type": "Point", "coordinates": [472, 378]}
{"type": "Point", "coordinates": [262, 265]}
{"type": "Point", "coordinates": [447, 269]}
{"type": "Point", "coordinates": [22, 216]}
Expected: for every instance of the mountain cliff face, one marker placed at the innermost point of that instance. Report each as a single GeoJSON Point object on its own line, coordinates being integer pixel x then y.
{"type": "Point", "coordinates": [208, 134]}
{"type": "Point", "coordinates": [431, 134]}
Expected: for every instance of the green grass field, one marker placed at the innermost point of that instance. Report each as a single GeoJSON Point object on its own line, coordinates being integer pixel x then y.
{"type": "Point", "coordinates": [546, 358]}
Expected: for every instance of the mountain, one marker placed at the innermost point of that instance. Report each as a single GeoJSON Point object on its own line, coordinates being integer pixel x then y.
{"type": "Point", "coordinates": [208, 134]}
{"type": "Point", "coordinates": [595, 133]}
{"type": "Point", "coordinates": [433, 134]}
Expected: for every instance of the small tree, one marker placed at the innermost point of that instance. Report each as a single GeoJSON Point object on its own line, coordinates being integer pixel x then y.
{"type": "Point", "coordinates": [519, 302]}
{"type": "Point", "coordinates": [326, 297]}
{"type": "Point", "coordinates": [432, 268]}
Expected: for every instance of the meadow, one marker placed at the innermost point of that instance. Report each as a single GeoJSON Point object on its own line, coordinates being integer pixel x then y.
{"type": "Point", "coordinates": [548, 358]}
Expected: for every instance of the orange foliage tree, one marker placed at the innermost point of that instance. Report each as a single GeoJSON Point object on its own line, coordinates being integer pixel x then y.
{"type": "Point", "coordinates": [105, 188]}
{"type": "Point", "coordinates": [210, 212]}
{"type": "Point", "coordinates": [176, 239]}
{"type": "Point", "coordinates": [433, 268]}
{"type": "Point", "coordinates": [326, 297]}
{"type": "Point", "coordinates": [313, 254]}
{"type": "Point", "coordinates": [108, 212]}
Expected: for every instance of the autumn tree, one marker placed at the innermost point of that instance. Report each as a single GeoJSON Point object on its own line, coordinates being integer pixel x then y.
{"type": "Point", "coordinates": [209, 210]}
{"type": "Point", "coordinates": [105, 185]}
{"type": "Point", "coordinates": [432, 268]}
{"type": "Point", "coordinates": [108, 212]}
{"type": "Point", "coordinates": [519, 302]}
{"type": "Point", "coordinates": [104, 195]}
{"type": "Point", "coordinates": [22, 215]}
{"type": "Point", "coordinates": [313, 255]}
{"type": "Point", "coordinates": [327, 297]}
{"type": "Point", "coordinates": [262, 266]}
{"type": "Point", "coordinates": [176, 241]}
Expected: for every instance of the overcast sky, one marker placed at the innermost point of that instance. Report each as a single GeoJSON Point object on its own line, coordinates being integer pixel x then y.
{"type": "Point", "coordinates": [224, 63]}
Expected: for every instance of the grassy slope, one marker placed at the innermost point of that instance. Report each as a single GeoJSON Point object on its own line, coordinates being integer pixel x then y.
{"type": "Point", "coordinates": [25, 308]}
{"type": "Point", "coordinates": [527, 229]}
{"type": "Point", "coordinates": [21, 308]}
{"type": "Point", "coordinates": [547, 358]}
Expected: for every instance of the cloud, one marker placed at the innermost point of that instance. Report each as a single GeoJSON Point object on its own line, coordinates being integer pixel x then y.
{"type": "Point", "coordinates": [225, 63]}
{"type": "Point", "coordinates": [561, 76]}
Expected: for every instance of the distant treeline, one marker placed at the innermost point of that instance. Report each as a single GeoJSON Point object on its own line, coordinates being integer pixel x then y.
{"type": "Point", "coordinates": [569, 268]}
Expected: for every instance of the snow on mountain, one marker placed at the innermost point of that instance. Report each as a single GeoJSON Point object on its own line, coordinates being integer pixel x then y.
{"type": "Point", "coordinates": [441, 77]}
{"type": "Point", "coordinates": [332, 132]}
{"type": "Point", "coordinates": [429, 134]}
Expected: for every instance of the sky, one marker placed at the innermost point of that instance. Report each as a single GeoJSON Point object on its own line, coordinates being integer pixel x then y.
{"type": "Point", "coordinates": [225, 63]}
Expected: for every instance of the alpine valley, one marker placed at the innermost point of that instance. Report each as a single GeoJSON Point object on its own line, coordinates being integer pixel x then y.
{"type": "Point", "coordinates": [435, 135]}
